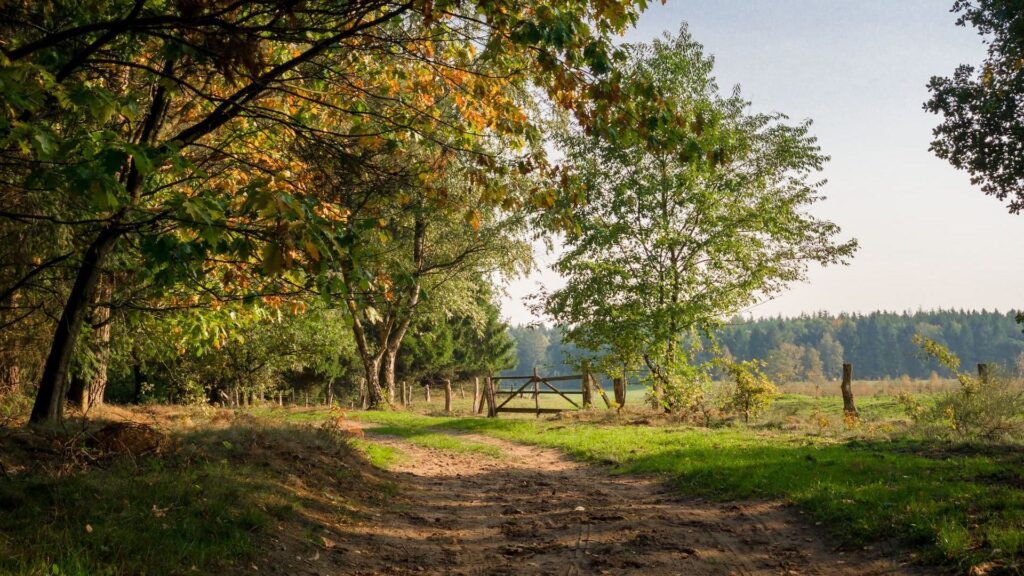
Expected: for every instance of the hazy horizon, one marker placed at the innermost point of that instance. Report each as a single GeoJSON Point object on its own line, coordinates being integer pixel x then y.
{"type": "Point", "coordinates": [928, 238]}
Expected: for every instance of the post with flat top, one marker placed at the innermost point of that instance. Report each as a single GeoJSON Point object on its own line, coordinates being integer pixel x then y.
{"type": "Point", "coordinates": [585, 385]}
{"type": "Point", "coordinates": [536, 391]}
{"type": "Point", "coordinates": [847, 388]}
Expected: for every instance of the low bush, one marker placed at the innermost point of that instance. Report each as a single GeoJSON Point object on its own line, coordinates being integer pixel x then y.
{"type": "Point", "coordinates": [986, 408]}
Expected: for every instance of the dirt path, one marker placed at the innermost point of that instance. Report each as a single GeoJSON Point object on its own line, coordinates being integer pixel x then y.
{"type": "Point", "coordinates": [535, 512]}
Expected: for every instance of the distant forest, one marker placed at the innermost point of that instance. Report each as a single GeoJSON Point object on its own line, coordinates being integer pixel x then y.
{"type": "Point", "coordinates": [814, 347]}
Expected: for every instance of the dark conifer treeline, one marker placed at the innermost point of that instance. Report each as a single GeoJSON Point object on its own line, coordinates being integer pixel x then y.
{"type": "Point", "coordinates": [880, 344]}
{"type": "Point", "coordinates": [811, 347]}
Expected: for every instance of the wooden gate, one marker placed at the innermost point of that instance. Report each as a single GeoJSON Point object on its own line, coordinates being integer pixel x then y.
{"type": "Point", "coordinates": [534, 386]}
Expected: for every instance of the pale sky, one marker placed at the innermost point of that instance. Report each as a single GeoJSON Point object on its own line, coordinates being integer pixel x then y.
{"type": "Point", "coordinates": [859, 69]}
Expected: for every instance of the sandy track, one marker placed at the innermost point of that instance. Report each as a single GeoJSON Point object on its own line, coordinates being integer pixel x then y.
{"type": "Point", "coordinates": [536, 512]}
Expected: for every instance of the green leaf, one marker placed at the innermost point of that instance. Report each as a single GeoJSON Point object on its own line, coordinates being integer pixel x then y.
{"type": "Point", "coordinates": [273, 259]}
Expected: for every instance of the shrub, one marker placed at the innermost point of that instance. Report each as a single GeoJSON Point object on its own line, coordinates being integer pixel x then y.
{"type": "Point", "coordinates": [753, 392]}
{"type": "Point", "coordinates": [988, 409]}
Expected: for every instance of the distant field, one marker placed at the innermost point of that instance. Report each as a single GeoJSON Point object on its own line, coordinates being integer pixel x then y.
{"type": "Point", "coordinates": [801, 405]}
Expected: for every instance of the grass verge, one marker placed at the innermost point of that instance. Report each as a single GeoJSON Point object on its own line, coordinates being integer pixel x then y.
{"type": "Point", "coordinates": [204, 504]}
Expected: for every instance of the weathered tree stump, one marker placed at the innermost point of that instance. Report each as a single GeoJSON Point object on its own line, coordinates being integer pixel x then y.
{"type": "Point", "coordinates": [848, 405]}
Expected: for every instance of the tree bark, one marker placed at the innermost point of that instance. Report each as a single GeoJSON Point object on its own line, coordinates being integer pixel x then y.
{"type": "Point", "coordinates": [76, 395]}
{"type": "Point", "coordinates": [388, 367]}
{"type": "Point", "coordinates": [98, 385]}
{"type": "Point", "coordinates": [49, 403]}
{"type": "Point", "coordinates": [10, 378]}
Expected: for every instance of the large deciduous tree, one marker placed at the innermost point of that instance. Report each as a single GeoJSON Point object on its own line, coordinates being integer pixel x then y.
{"type": "Point", "coordinates": [157, 142]}
{"type": "Point", "coordinates": [674, 239]}
{"type": "Point", "coordinates": [982, 130]}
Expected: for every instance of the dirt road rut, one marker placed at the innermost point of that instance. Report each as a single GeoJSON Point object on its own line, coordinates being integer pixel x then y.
{"type": "Point", "coordinates": [534, 511]}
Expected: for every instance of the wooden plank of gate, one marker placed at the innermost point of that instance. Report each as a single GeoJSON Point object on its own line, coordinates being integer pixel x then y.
{"type": "Point", "coordinates": [559, 392]}
{"type": "Point", "coordinates": [512, 395]}
{"type": "Point", "coordinates": [533, 410]}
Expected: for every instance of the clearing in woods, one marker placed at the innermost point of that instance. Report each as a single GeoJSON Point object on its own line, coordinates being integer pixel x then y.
{"type": "Point", "coordinates": [531, 510]}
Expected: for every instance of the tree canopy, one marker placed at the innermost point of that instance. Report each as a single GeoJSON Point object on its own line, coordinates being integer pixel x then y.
{"type": "Point", "coordinates": [164, 156]}
{"type": "Point", "coordinates": [672, 240]}
{"type": "Point", "coordinates": [982, 129]}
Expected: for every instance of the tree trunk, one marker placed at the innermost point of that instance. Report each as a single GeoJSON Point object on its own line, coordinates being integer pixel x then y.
{"type": "Point", "coordinates": [619, 384]}
{"type": "Point", "coordinates": [98, 385]}
{"type": "Point", "coordinates": [49, 403]}
{"type": "Point", "coordinates": [76, 395]}
{"type": "Point", "coordinates": [376, 395]}
{"type": "Point", "coordinates": [388, 372]}
{"type": "Point", "coordinates": [848, 406]}
{"type": "Point", "coordinates": [10, 378]}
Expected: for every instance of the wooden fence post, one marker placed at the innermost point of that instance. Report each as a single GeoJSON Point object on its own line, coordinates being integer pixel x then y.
{"type": "Point", "coordinates": [426, 392]}
{"type": "Point", "coordinates": [585, 385]}
{"type": "Point", "coordinates": [476, 395]}
{"type": "Point", "coordinates": [848, 405]}
{"type": "Point", "coordinates": [489, 395]}
{"type": "Point", "coordinates": [447, 396]}
{"type": "Point", "coordinates": [536, 391]}
{"type": "Point", "coordinates": [983, 373]}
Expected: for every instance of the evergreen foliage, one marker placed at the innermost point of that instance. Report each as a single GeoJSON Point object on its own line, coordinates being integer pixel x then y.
{"type": "Point", "coordinates": [812, 347]}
